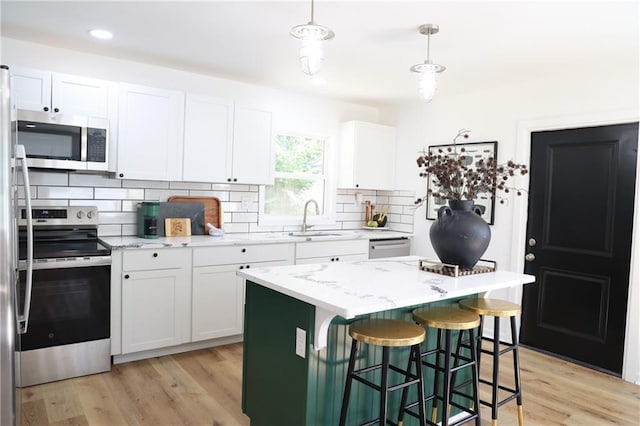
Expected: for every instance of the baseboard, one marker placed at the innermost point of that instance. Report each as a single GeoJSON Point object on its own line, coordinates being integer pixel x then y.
{"type": "Point", "coordinates": [187, 347]}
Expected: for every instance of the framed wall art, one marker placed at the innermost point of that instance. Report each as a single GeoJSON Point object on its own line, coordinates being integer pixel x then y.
{"type": "Point", "coordinates": [474, 151]}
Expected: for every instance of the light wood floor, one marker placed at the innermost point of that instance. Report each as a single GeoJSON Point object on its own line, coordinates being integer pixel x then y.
{"type": "Point", "coordinates": [204, 388]}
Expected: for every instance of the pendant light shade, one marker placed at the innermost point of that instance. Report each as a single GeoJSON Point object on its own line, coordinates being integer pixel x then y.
{"type": "Point", "coordinates": [312, 37]}
{"type": "Point", "coordinates": [427, 71]}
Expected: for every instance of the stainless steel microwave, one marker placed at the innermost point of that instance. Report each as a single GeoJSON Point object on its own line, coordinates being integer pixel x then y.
{"type": "Point", "coordinates": [59, 141]}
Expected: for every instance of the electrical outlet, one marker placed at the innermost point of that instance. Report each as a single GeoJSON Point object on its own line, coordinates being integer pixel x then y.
{"type": "Point", "coordinates": [246, 203]}
{"type": "Point", "coordinates": [301, 342]}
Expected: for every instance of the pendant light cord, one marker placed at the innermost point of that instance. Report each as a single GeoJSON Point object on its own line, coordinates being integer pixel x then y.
{"type": "Point", "coordinates": [312, 21]}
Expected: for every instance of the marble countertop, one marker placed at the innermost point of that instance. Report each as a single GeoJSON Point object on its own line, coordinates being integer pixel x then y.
{"type": "Point", "coordinates": [356, 288]}
{"type": "Point", "coordinates": [132, 242]}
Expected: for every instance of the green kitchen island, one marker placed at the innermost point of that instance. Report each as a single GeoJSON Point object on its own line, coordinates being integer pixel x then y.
{"type": "Point", "coordinates": [296, 342]}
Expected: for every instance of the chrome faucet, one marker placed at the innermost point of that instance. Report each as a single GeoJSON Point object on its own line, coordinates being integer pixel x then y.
{"type": "Point", "coordinates": [304, 217]}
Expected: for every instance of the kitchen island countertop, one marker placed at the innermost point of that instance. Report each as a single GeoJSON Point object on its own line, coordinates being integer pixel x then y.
{"type": "Point", "coordinates": [349, 289]}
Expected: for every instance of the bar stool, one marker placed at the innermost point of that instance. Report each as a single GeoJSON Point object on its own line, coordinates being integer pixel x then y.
{"type": "Point", "coordinates": [498, 308]}
{"type": "Point", "coordinates": [385, 333]}
{"type": "Point", "coordinates": [446, 319]}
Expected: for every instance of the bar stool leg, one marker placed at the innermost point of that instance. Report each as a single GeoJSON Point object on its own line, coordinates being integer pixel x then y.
{"type": "Point", "coordinates": [475, 377]}
{"type": "Point", "coordinates": [436, 380]}
{"type": "Point", "coordinates": [384, 385]}
{"type": "Point", "coordinates": [516, 371]}
{"type": "Point", "coordinates": [347, 387]}
{"type": "Point", "coordinates": [446, 390]}
{"type": "Point", "coordinates": [415, 359]}
{"type": "Point", "coordinates": [496, 369]}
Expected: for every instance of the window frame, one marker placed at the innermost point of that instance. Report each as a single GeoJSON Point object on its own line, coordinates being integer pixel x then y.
{"type": "Point", "coordinates": [327, 217]}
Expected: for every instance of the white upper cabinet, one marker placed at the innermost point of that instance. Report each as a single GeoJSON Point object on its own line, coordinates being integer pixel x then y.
{"type": "Point", "coordinates": [252, 143]}
{"type": "Point", "coordinates": [150, 133]}
{"type": "Point", "coordinates": [226, 143]}
{"type": "Point", "coordinates": [38, 90]}
{"type": "Point", "coordinates": [367, 156]}
{"type": "Point", "coordinates": [208, 138]}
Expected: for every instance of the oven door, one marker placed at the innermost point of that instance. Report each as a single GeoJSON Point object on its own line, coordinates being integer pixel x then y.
{"type": "Point", "coordinates": [70, 302]}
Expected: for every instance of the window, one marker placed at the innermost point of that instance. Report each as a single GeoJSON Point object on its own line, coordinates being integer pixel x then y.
{"type": "Point", "coordinates": [300, 175]}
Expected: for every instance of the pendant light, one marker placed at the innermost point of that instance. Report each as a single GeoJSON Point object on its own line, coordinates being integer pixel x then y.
{"type": "Point", "coordinates": [311, 36]}
{"type": "Point", "coordinates": [427, 71]}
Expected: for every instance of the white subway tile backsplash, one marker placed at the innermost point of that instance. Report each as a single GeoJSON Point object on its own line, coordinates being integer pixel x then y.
{"type": "Point", "coordinates": [119, 194]}
{"type": "Point", "coordinates": [38, 177]}
{"type": "Point", "coordinates": [83, 179]}
{"type": "Point", "coordinates": [244, 217]}
{"type": "Point", "coordinates": [45, 203]}
{"type": "Point", "coordinates": [162, 194]}
{"type": "Point", "coordinates": [117, 202]}
{"type": "Point", "coordinates": [110, 231]}
{"type": "Point", "coordinates": [148, 184]}
{"type": "Point", "coordinates": [64, 192]}
{"type": "Point", "coordinates": [111, 218]}
{"type": "Point", "coordinates": [190, 185]}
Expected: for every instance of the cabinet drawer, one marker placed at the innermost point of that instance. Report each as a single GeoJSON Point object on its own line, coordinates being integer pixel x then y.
{"type": "Point", "coordinates": [331, 248]}
{"type": "Point", "coordinates": [204, 256]}
{"type": "Point", "coordinates": [148, 259]}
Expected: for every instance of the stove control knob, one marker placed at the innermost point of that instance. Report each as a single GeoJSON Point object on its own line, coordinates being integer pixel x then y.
{"type": "Point", "coordinates": [90, 214]}
{"type": "Point", "coordinates": [80, 214]}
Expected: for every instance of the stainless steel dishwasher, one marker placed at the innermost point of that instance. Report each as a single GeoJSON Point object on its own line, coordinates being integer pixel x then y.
{"type": "Point", "coordinates": [390, 247]}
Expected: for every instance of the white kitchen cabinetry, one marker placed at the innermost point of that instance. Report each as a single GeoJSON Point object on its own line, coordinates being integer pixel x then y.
{"type": "Point", "coordinates": [218, 294]}
{"type": "Point", "coordinates": [150, 133]}
{"type": "Point", "coordinates": [38, 90]}
{"type": "Point", "coordinates": [156, 298]}
{"type": "Point", "coordinates": [331, 251]}
{"type": "Point", "coordinates": [226, 143]}
{"type": "Point", "coordinates": [367, 155]}
{"type": "Point", "coordinates": [252, 144]}
{"type": "Point", "coordinates": [208, 138]}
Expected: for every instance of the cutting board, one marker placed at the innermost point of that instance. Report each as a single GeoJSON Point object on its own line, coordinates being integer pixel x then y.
{"type": "Point", "coordinates": [193, 211]}
{"type": "Point", "coordinates": [212, 210]}
{"type": "Point", "coordinates": [177, 227]}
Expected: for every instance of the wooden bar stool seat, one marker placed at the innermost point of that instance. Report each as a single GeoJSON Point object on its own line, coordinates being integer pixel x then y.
{"type": "Point", "coordinates": [498, 309]}
{"type": "Point", "coordinates": [385, 333]}
{"type": "Point", "coordinates": [445, 320]}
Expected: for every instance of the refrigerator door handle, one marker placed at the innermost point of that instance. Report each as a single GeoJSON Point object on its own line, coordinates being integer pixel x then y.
{"type": "Point", "coordinates": [23, 320]}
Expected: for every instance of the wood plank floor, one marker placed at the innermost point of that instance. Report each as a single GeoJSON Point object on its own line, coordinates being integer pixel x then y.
{"type": "Point", "coordinates": [204, 388]}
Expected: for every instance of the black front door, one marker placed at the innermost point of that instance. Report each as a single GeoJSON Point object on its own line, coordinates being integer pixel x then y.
{"type": "Point", "coordinates": [579, 234]}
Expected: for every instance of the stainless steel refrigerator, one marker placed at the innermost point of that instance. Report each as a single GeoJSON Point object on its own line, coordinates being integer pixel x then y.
{"type": "Point", "coordinates": [13, 318]}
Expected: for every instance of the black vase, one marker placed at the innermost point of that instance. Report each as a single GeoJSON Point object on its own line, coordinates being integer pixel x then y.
{"type": "Point", "coordinates": [460, 236]}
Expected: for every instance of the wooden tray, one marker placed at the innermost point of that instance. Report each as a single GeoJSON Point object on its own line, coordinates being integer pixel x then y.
{"type": "Point", "coordinates": [212, 208]}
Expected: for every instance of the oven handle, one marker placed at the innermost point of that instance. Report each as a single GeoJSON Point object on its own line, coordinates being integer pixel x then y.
{"type": "Point", "coordinates": [65, 263]}
{"type": "Point", "coordinates": [23, 320]}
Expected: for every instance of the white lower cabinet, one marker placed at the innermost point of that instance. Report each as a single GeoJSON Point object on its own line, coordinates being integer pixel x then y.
{"type": "Point", "coordinates": [218, 294]}
{"type": "Point", "coordinates": [218, 300]}
{"type": "Point", "coordinates": [156, 299]}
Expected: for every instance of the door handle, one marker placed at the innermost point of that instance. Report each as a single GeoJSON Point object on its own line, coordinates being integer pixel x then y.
{"type": "Point", "coordinates": [530, 257]}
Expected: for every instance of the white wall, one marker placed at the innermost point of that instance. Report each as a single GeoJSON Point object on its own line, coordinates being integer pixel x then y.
{"type": "Point", "coordinates": [498, 113]}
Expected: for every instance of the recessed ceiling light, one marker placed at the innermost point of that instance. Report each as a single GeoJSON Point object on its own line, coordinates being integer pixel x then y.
{"type": "Point", "coordinates": [101, 34]}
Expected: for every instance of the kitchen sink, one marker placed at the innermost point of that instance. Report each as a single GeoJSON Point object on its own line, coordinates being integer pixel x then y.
{"type": "Point", "coordinates": [315, 234]}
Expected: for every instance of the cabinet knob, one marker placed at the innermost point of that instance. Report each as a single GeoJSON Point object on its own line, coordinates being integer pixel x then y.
{"type": "Point", "coordinates": [337, 259]}
{"type": "Point", "coordinates": [228, 179]}
{"type": "Point", "coordinates": [235, 179]}
{"type": "Point", "coordinates": [241, 266]}
{"type": "Point", "coordinates": [248, 266]}
{"type": "Point", "coordinates": [244, 250]}
{"type": "Point", "coordinates": [126, 277]}
{"type": "Point", "coordinates": [155, 254]}
{"type": "Point", "coordinates": [46, 109]}
{"type": "Point", "coordinates": [357, 186]}
{"type": "Point", "coordinates": [121, 175]}
{"type": "Point", "coordinates": [56, 110]}
{"type": "Point", "coordinates": [333, 259]}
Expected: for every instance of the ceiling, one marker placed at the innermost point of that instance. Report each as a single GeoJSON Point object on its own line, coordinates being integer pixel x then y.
{"type": "Point", "coordinates": [482, 43]}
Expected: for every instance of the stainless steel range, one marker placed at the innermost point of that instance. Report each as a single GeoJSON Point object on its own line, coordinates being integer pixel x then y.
{"type": "Point", "coordinates": [67, 307]}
